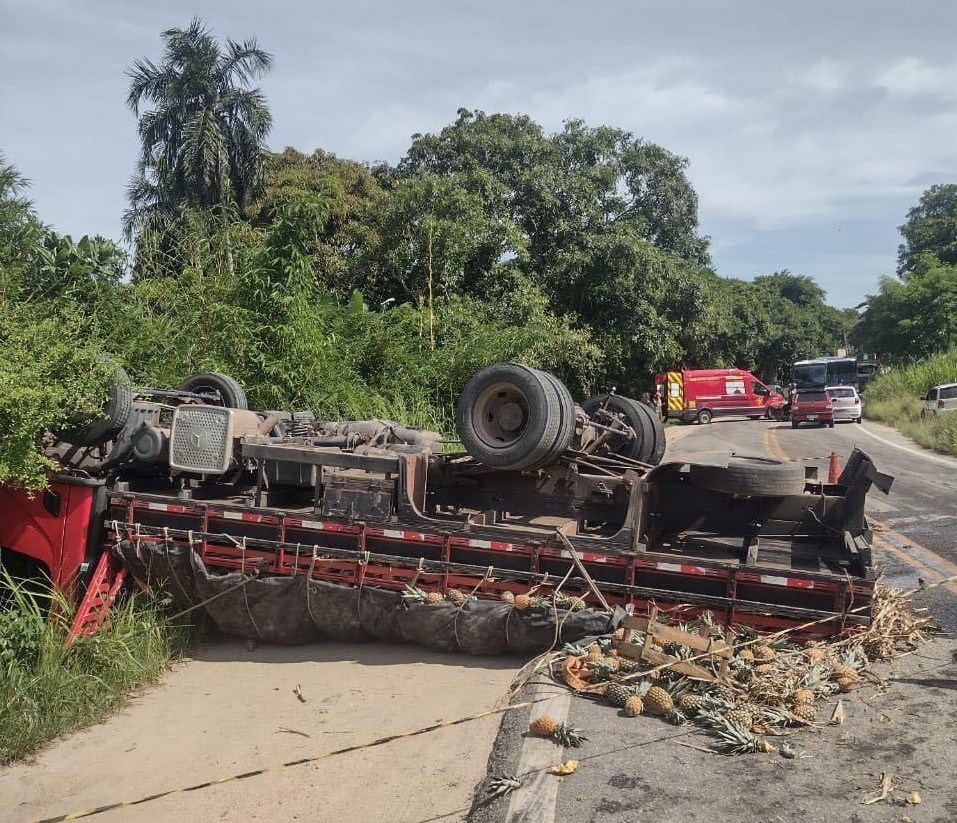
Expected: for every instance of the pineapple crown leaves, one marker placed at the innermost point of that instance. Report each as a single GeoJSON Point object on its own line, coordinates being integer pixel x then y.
{"type": "Point", "coordinates": [501, 786]}
{"type": "Point", "coordinates": [569, 736]}
{"type": "Point", "coordinates": [676, 717]}
{"type": "Point", "coordinates": [413, 594]}
{"type": "Point", "coordinates": [574, 650]}
{"type": "Point", "coordinates": [605, 643]}
{"type": "Point", "coordinates": [601, 669]}
{"type": "Point", "coordinates": [729, 738]}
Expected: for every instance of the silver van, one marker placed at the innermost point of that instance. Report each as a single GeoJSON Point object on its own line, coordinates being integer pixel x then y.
{"type": "Point", "coordinates": [939, 400]}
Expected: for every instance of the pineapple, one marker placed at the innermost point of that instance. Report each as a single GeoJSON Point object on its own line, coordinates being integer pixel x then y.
{"type": "Point", "coordinates": [626, 665]}
{"type": "Point", "coordinates": [802, 697]}
{"type": "Point", "coordinates": [633, 706]}
{"type": "Point", "coordinates": [434, 597]}
{"type": "Point", "coordinates": [805, 712]}
{"type": "Point", "coordinates": [522, 602]}
{"type": "Point", "coordinates": [547, 726]}
{"type": "Point", "coordinates": [618, 694]}
{"type": "Point", "coordinates": [815, 654]}
{"type": "Point", "coordinates": [764, 653]}
{"type": "Point", "coordinates": [603, 668]}
{"type": "Point", "coordinates": [843, 672]}
{"type": "Point", "coordinates": [455, 596]}
{"type": "Point", "coordinates": [742, 717]}
{"type": "Point", "coordinates": [507, 597]}
{"type": "Point", "coordinates": [594, 653]}
{"type": "Point", "coordinates": [746, 654]}
{"type": "Point", "coordinates": [763, 668]}
{"type": "Point", "coordinates": [845, 684]}
{"type": "Point", "coordinates": [576, 604]}
{"type": "Point", "coordinates": [691, 704]}
{"type": "Point", "coordinates": [658, 701]}
{"type": "Point", "coordinates": [543, 726]}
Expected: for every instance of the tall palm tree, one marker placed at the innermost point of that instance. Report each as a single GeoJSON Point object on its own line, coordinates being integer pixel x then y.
{"type": "Point", "coordinates": [204, 131]}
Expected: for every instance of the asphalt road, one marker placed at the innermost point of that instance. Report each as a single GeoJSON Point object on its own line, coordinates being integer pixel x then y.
{"type": "Point", "coordinates": [635, 770]}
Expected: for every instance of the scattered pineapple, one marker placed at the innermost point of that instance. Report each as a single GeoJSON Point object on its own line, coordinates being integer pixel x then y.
{"type": "Point", "coordinates": [691, 704]}
{"type": "Point", "coordinates": [543, 726]}
{"type": "Point", "coordinates": [507, 597]}
{"type": "Point", "coordinates": [603, 668]}
{"type": "Point", "coordinates": [626, 665]}
{"type": "Point", "coordinates": [802, 696]}
{"type": "Point", "coordinates": [742, 717]}
{"type": "Point", "coordinates": [633, 706]}
{"type": "Point", "coordinates": [805, 712]}
{"type": "Point", "coordinates": [732, 739]}
{"type": "Point", "coordinates": [594, 653]}
{"type": "Point", "coordinates": [576, 604]}
{"type": "Point", "coordinates": [547, 726]}
{"type": "Point", "coordinates": [763, 668]}
{"type": "Point", "coordinates": [815, 654]}
{"type": "Point", "coordinates": [843, 672]}
{"type": "Point", "coordinates": [522, 602]}
{"type": "Point", "coordinates": [658, 701]}
{"type": "Point", "coordinates": [845, 684]}
{"type": "Point", "coordinates": [618, 694]}
{"type": "Point", "coordinates": [434, 597]}
{"type": "Point", "coordinates": [456, 596]}
{"type": "Point", "coordinates": [746, 654]}
{"type": "Point", "coordinates": [764, 652]}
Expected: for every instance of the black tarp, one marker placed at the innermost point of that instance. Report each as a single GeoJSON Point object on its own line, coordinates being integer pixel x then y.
{"type": "Point", "coordinates": [293, 609]}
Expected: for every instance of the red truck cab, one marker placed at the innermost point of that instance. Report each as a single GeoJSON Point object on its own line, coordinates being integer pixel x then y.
{"type": "Point", "coordinates": [811, 406]}
{"type": "Point", "coordinates": [702, 394]}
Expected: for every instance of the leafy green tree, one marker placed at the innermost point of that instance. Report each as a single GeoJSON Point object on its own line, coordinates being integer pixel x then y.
{"type": "Point", "coordinates": [913, 318]}
{"type": "Point", "coordinates": [931, 227]}
{"type": "Point", "coordinates": [202, 139]}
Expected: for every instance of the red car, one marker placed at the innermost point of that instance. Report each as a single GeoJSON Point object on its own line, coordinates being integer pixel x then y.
{"type": "Point", "coordinates": [811, 406]}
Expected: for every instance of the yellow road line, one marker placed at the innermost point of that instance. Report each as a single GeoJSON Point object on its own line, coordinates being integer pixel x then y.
{"type": "Point", "coordinates": [914, 555]}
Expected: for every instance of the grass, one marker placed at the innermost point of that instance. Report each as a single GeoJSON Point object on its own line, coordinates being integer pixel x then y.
{"type": "Point", "coordinates": [894, 397]}
{"type": "Point", "coordinates": [46, 691]}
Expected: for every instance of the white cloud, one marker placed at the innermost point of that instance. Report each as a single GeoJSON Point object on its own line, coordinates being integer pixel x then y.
{"type": "Point", "coordinates": [827, 76]}
{"type": "Point", "coordinates": [913, 77]}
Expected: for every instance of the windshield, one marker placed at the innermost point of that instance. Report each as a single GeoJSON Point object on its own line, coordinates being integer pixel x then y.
{"type": "Point", "coordinates": [807, 375]}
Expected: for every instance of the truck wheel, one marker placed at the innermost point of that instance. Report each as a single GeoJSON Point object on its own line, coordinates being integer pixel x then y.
{"type": "Point", "coordinates": [513, 417]}
{"type": "Point", "coordinates": [794, 424]}
{"type": "Point", "coordinates": [115, 414]}
{"type": "Point", "coordinates": [753, 476]}
{"type": "Point", "coordinates": [566, 430]}
{"type": "Point", "coordinates": [655, 448]}
{"type": "Point", "coordinates": [648, 444]}
{"type": "Point", "coordinates": [705, 416]}
{"type": "Point", "coordinates": [830, 425]}
{"type": "Point", "coordinates": [223, 390]}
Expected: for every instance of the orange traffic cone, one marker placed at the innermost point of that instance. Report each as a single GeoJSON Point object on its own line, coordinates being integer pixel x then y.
{"type": "Point", "coordinates": [834, 470]}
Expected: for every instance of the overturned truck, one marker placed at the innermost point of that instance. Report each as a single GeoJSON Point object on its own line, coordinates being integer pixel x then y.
{"type": "Point", "coordinates": [556, 519]}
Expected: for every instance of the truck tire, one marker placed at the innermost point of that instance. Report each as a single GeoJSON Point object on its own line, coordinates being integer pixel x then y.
{"type": "Point", "coordinates": [116, 412]}
{"type": "Point", "coordinates": [705, 416]}
{"type": "Point", "coordinates": [510, 416]}
{"type": "Point", "coordinates": [752, 476]}
{"type": "Point", "coordinates": [566, 430]}
{"type": "Point", "coordinates": [794, 424]}
{"type": "Point", "coordinates": [229, 392]}
{"type": "Point", "coordinates": [639, 448]}
{"type": "Point", "coordinates": [655, 449]}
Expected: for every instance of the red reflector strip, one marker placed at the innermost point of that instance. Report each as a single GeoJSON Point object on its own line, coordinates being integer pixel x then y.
{"type": "Point", "coordinates": [167, 507]}
{"type": "Point", "coordinates": [790, 582]}
{"type": "Point", "coordinates": [495, 545]}
{"type": "Point", "coordinates": [680, 568]}
{"type": "Point", "coordinates": [587, 557]}
{"type": "Point", "coordinates": [245, 517]}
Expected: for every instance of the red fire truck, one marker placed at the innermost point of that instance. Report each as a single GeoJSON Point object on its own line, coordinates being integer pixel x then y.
{"type": "Point", "coordinates": [285, 528]}
{"type": "Point", "coordinates": [702, 394]}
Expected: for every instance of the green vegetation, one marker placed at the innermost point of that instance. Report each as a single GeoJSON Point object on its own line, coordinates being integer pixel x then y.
{"type": "Point", "coordinates": [46, 691]}
{"type": "Point", "coordinates": [894, 397]}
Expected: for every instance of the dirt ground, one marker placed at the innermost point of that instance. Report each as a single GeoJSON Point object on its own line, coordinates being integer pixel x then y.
{"type": "Point", "coordinates": [231, 710]}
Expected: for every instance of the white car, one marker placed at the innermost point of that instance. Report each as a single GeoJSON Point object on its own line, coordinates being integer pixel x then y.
{"type": "Point", "coordinates": [846, 403]}
{"type": "Point", "coordinates": [940, 400]}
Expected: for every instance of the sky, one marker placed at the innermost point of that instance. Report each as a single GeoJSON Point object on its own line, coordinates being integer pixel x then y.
{"type": "Point", "coordinates": [810, 128]}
